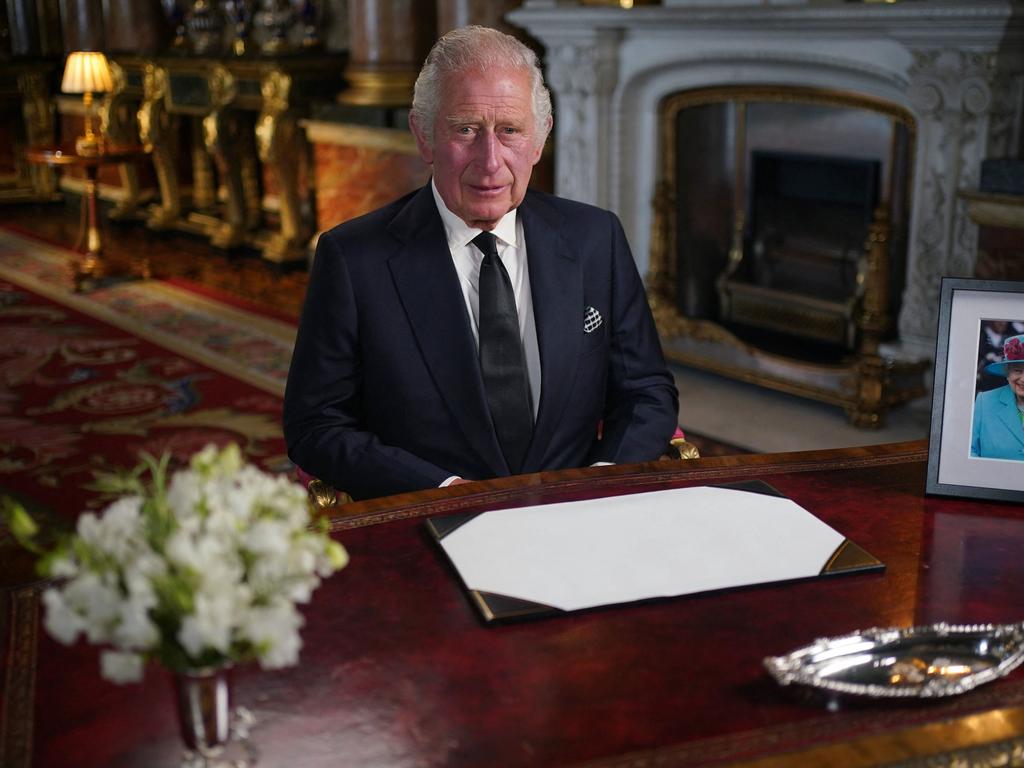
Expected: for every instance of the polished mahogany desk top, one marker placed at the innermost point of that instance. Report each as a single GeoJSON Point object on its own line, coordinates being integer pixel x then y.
{"type": "Point", "coordinates": [398, 670]}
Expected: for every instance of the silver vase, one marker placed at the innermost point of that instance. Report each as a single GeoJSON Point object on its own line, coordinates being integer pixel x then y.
{"type": "Point", "coordinates": [203, 698]}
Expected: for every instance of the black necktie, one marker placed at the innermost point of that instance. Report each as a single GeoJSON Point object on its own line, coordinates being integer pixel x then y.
{"type": "Point", "coordinates": [501, 356]}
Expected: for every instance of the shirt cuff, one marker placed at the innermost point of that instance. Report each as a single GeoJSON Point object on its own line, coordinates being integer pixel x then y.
{"type": "Point", "coordinates": [449, 481]}
{"type": "Point", "coordinates": [603, 464]}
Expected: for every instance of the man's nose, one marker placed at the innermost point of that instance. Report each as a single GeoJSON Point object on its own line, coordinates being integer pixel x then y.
{"type": "Point", "coordinates": [488, 149]}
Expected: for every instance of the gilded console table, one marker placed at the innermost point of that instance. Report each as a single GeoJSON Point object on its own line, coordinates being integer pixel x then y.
{"type": "Point", "coordinates": [243, 114]}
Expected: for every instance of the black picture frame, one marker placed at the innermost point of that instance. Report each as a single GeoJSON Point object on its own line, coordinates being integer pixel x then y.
{"type": "Point", "coordinates": [964, 304]}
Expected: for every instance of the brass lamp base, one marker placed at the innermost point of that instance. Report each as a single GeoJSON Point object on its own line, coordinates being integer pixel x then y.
{"type": "Point", "coordinates": [89, 145]}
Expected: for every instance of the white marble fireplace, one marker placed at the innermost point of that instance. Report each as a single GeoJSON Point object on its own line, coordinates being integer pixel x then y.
{"type": "Point", "coordinates": [956, 65]}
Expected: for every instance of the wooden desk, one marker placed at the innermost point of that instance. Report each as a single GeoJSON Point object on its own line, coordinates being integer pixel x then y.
{"type": "Point", "coordinates": [397, 670]}
{"type": "Point", "coordinates": [92, 264]}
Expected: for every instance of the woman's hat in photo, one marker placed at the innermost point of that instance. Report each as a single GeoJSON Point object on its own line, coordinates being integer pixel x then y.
{"type": "Point", "coordinates": [1013, 352]}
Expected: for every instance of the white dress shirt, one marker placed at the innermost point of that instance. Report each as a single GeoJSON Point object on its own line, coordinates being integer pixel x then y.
{"type": "Point", "coordinates": [512, 252]}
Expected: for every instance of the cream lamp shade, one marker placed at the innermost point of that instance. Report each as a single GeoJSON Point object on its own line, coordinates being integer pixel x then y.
{"type": "Point", "coordinates": [87, 72]}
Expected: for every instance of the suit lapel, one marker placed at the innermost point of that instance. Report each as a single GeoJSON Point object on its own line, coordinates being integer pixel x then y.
{"type": "Point", "coordinates": [1008, 413]}
{"type": "Point", "coordinates": [556, 285]}
{"type": "Point", "coordinates": [428, 288]}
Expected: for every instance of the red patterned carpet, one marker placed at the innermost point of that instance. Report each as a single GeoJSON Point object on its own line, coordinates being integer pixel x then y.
{"type": "Point", "coordinates": [88, 381]}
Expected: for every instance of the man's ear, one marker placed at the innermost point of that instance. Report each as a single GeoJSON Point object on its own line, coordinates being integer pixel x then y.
{"type": "Point", "coordinates": [539, 150]}
{"type": "Point", "coordinates": [424, 146]}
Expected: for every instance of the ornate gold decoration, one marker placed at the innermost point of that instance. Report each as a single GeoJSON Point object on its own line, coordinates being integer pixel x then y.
{"type": "Point", "coordinates": [157, 133]}
{"type": "Point", "coordinates": [321, 495]}
{"type": "Point", "coordinates": [222, 138]}
{"type": "Point", "coordinates": [381, 88]}
{"type": "Point", "coordinates": [874, 314]}
{"type": "Point", "coordinates": [119, 127]}
{"type": "Point", "coordinates": [204, 185]}
{"type": "Point", "coordinates": [281, 147]}
{"type": "Point", "coordinates": [235, 109]}
{"type": "Point", "coordinates": [685, 449]}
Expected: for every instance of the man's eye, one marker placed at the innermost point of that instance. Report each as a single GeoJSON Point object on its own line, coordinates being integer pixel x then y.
{"type": "Point", "coordinates": [465, 130]}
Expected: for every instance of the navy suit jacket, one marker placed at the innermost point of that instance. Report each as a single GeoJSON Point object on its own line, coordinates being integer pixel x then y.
{"type": "Point", "coordinates": [385, 394]}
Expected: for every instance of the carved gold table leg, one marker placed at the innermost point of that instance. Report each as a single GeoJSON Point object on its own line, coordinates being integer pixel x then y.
{"type": "Point", "coordinates": [252, 179]}
{"type": "Point", "coordinates": [221, 137]}
{"type": "Point", "coordinates": [204, 182]}
{"type": "Point", "coordinates": [156, 132]}
{"type": "Point", "coordinates": [115, 126]}
{"type": "Point", "coordinates": [280, 144]}
{"type": "Point", "coordinates": [873, 384]}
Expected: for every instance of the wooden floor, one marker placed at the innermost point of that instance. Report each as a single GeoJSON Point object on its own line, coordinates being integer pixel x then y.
{"type": "Point", "coordinates": [241, 273]}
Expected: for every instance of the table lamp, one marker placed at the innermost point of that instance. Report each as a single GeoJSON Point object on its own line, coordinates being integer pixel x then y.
{"type": "Point", "coordinates": [87, 72]}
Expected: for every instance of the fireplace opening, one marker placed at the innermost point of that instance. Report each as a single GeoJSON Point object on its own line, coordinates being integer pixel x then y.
{"type": "Point", "coordinates": [801, 275]}
{"type": "Point", "coordinates": [769, 196]}
{"type": "Point", "coordinates": [779, 241]}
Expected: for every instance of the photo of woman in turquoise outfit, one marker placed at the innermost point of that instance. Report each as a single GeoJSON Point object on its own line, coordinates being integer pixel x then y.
{"type": "Point", "coordinates": [998, 431]}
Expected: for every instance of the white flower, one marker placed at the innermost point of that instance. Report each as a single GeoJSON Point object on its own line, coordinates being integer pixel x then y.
{"type": "Point", "coordinates": [209, 626]}
{"type": "Point", "coordinates": [134, 629]}
{"type": "Point", "coordinates": [183, 496]}
{"type": "Point", "coordinates": [63, 568]}
{"type": "Point", "coordinates": [61, 621]}
{"type": "Point", "coordinates": [267, 537]}
{"type": "Point", "coordinates": [97, 602]}
{"type": "Point", "coordinates": [117, 532]}
{"type": "Point", "coordinates": [119, 667]}
{"type": "Point", "coordinates": [224, 553]}
{"type": "Point", "coordinates": [274, 630]}
{"type": "Point", "coordinates": [181, 550]}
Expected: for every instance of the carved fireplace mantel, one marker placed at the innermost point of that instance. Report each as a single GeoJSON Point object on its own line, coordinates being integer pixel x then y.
{"type": "Point", "coordinates": [956, 66]}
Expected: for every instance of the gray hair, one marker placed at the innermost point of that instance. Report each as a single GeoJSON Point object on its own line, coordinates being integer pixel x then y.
{"type": "Point", "coordinates": [476, 48]}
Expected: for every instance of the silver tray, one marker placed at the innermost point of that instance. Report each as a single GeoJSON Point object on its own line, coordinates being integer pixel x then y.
{"type": "Point", "coordinates": [919, 662]}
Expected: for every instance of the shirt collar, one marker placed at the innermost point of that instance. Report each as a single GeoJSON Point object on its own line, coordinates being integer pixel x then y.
{"type": "Point", "coordinates": [460, 234]}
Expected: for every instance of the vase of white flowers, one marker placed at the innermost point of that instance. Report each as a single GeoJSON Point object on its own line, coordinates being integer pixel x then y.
{"type": "Point", "coordinates": [198, 571]}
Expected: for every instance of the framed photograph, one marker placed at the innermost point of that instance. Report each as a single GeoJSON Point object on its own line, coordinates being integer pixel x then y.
{"type": "Point", "coordinates": [976, 445]}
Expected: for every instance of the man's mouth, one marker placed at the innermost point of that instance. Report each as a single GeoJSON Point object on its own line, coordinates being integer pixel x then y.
{"type": "Point", "coordinates": [488, 190]}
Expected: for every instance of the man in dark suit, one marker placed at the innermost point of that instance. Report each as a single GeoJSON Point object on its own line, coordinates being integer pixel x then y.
{"type": "Point", "coordinates": [431, 352]}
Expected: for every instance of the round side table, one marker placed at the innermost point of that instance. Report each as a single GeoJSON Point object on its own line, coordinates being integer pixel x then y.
{"type": "Point", "coordinates": [92, 265]}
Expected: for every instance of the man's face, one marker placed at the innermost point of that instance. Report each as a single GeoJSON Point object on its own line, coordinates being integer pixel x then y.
{"type": "Point", "coordinates": [1015, 378]}
{"type": "Point", "coordinates": [485, 144]}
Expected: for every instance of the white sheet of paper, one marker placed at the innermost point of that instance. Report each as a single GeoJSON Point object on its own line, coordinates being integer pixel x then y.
{"type": "Point", "coordinates": [582, 554]}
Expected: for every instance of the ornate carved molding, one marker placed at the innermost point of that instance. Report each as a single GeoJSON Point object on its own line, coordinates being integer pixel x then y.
{"type": "Point", "coordinates": [959, 105]}
{"type": "Point", "coordinates": [583, 72]}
